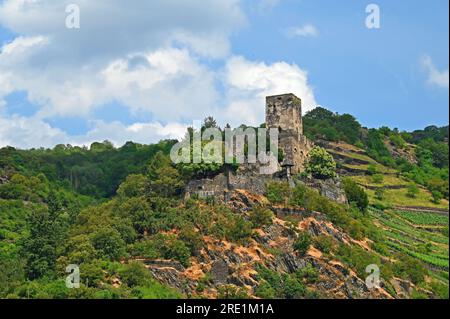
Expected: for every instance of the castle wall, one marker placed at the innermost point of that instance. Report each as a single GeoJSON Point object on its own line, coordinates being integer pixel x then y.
{"type": "Point", "coordinates": [284, 112]}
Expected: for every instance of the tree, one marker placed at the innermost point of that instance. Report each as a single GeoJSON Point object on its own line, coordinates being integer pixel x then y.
{"type": "Point", "coordinates": [356, 194]}
{"type": "Point", "coordinates": [321, 164]}
{"type": "Point", "coordinates": [47, 231]}
{"type": "Point", "coordinates": [107, 240]}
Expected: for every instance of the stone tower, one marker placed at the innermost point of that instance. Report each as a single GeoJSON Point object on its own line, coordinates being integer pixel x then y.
{"type": "Point", "coordinates": [284, 112]}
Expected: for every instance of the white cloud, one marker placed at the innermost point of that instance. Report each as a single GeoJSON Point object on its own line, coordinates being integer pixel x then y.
{"type": "Point", "coordinates": [34, 133]}
{"type": "Point", "coordinates": [150, 57]}
{"type": "Point", "coordinates": [250, 82]}
{"type": "Point", "coordinates": [435, 77]}
{"type": "Point", "coordinates": [308, 30]}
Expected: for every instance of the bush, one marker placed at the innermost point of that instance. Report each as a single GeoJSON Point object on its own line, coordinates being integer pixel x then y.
{"type": "Point", "coordinates": [277, 192]}
{"type": "Point", "coordinates": [379, 193]}
{"type": "Point", "coordinates": [372, 169]}
{"type": "Point", "coordinates": [356, 194]}
{"type": "Point", "coordinates": [413, 190]}
{"type": "Point", "coordinates": [261, 216]}
{"type": "Point", "coordinates": [302, 243]}
{"type": "Point", "coordinates": [231, 292]}
{"type": "Point", "coordinates": [324, 243]}
{"type": "Point", "coordinates": [377, 178]}
{"type": "Point", "coordinates": [135, 274]}
{"type": "Point", "coordinates": [321, 164]}
{"type": "Point", "coordinates": [238, 230]}
{"type": "Point", "coordinates": [437, 197]}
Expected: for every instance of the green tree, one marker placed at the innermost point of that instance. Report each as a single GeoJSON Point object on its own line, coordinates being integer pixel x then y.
{"type": "Point", "coordinates": [356, 194]}
{"type": "Point", "coordinates": [321, 164]}
{"type": "Point", "coordinates": [108, 241]}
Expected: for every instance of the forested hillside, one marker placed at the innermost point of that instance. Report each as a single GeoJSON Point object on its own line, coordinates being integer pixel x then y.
{"type": "Point", "coordinates": [117, 211]}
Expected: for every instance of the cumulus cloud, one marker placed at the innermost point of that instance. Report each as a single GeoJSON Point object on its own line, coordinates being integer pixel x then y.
{"type": "Point", "coordinates": [308, 30]}
{"type": "Point", "coordinates": [435, 77]}
{"type": "Point", "coordinates": [150, 57]}
{"type": "Point", "coordinates": [248, 83]}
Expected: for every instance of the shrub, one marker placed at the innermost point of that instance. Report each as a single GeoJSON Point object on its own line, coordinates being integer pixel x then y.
{"type": "Point", "coordinates": [379, 193]}
{"type": "Point", "coordinates": [321, 164]}
{"type": "Point", "coordinates": [302, 243]}
{"type": "Point", "coordinates": [238, 230]}
{"type": "Point", "coordinates": [413, 190]}
{"type": "Point", "coordinates": [277, 192]}
{"type": "Point", "coordinates": [377, 178]}
{"type": "Point", "coordinates": [261, 216]}
{"type": "Point", "coordinates": [437, 197]}
{"type": "Point", "coordinates": [324, 243]}
{"type": "Point", "coordinates": [231, 292]}
{"type": "Point", "coordinates": [356, 194]}
{"type": "Point", "coordinates": [372, 169]}
{"type": "Point", "coordinates": [135, 274]}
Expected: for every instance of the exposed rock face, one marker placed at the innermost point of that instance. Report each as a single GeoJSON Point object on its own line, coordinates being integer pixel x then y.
{"type": "Point", "coordinates": [330, 188]}
{"type": "Point", "coordinates": [272, 246]}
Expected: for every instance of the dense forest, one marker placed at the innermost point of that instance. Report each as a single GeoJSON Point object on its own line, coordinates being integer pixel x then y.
{"type": "Point", "coordinates": [100, 206]}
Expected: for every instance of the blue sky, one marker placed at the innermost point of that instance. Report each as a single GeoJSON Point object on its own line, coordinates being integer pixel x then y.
{"type": "Point", "coordinates": [147, 75]}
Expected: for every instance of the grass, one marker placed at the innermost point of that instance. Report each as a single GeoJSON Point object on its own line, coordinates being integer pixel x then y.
{"type": "Point", "coordinates": [399, 197]}
{"type": "Point", "coordinates": [388, 180]}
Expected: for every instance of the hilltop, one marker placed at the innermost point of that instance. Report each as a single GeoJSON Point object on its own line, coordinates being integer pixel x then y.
{"type": "Point", "coordinates": [121, 215]}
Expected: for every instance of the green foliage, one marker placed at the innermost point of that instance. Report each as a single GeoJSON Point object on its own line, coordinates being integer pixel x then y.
{"type": "Point", "coordinates": [324, 243]}
{"type": "Point", "coordinates": [277, 192]}
{"type": "Point", "coordinates": [238, 230]}
{"type": "Point", "coordinates": [274, 285]}
{"type": "Point", "coordinates": [372, 169]}
{"type": "Point", "coordinates": [135, 274]}
{"type": "Point", "coordinates": [379, 193]}
{"type": "Point", "coordinates": [320, 164]}
{"type": "Point", "coordinates": [321, 123]}
{"type": "Point", "coordinates": [302, 243]}
{"type": "Point", "coordinates": [413, 190]}
{"type": "Point", "coordinates": [377, 178]}
{"type": "Point", "coordinates": [231, 292]}
{"type": "Point", "coordinates": [356, 194]}
{"type": "Point", "coordinates": [261, 216]}
{"type": "Point", "coordinates": [109, 243]}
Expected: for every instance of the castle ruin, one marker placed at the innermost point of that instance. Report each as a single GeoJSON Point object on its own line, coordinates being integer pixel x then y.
{"type": "Point", "coordinates": [284, 112]}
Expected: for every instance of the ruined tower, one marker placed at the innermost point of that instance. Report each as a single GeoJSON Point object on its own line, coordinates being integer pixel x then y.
{"type": "Point", "coordinates": [284, 112]}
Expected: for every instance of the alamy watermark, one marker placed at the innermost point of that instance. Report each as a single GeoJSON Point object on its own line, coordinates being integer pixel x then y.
{"type": "Point", "coordinates": [373, 20]}
{"type": "Point", "coordinates": [373, 280]}
{"type": "Point", "coordinates": [73, 16]}
{"type": "Point", "coordinates": [73, 279]}
{"type": "Point", "coordinates": [229, 146]}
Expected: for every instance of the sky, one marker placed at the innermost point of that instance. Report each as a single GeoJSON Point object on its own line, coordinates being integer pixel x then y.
{"type": "Point", "coordinates": [145, 70]}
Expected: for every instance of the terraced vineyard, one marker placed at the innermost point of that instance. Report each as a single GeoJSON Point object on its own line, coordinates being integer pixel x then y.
{"type": "Point", "coordinates": [422, 235]}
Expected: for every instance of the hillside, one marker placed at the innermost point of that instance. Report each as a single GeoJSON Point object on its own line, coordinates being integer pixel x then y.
{"type": "Point", "coordinates": [121, 215]}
